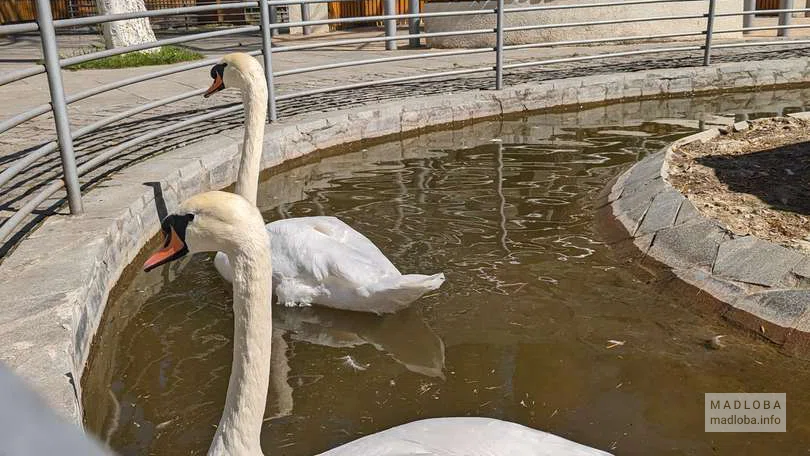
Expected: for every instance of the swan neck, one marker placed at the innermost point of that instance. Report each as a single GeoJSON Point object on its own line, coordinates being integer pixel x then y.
{"type": "Point", "coordinates": [239, 428]}
{"type": "Point", "coordinates": [254, 97]}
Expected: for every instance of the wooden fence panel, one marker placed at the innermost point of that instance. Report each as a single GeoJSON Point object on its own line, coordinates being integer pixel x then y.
{"type": "Point", "coordinates": [769, 4]}
{"type": "Point", "coordinates": [25, 10]}
{"type": "Point", "coordinates": [16, 11]}
{"type": "Point", "coordinates": [364, 8]}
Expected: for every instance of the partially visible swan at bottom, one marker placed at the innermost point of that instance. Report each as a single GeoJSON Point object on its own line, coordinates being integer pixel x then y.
{"type": "Point", "coordinates": [219, 221]}
{"type": "Point", "coordinates": [316, 260]}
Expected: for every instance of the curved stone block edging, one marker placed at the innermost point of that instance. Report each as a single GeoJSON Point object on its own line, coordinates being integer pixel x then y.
{"type": "Point", "coordinates": [56, 283]}
{"type": "Point", "coordinates": [760, 281]}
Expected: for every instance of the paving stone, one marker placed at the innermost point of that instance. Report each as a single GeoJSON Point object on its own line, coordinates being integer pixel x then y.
{"type": "Point", "coordinates": [687, 213]}
{"type": "Point", "coordinates": [689, 245]}
{"type": "Point", "coordinates": [644, 242]}
{"type": "Point", "coordinates": [661, 213]}
{"type": "Point", "coordinates": [782, 307]}
{"type": "Point", "coordinates": [752, 260]}
{"type": "Point", "coordinates": [646, 169]}
{"type": "Point", "coordinates": [773, 313]}
{"type": "Point", "coordinates": [647, 187]}
{"type": "Point", "coordinates": [803, 268]}
{"type": "Point", "coordinates": [618, 187]}
{"type": "Point", "coordinates": [722, 290]}
{"type": "Point", "coordinates": [631, 208]}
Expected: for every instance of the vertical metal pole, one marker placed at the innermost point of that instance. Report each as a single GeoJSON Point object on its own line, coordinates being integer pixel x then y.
{"type": "Point", "coordinates": [499, 25]}
{"type": "Point", "coordinates": [707, 48]}
{"type": "Point", "coordinates": [273, 20]}
{"type": "Point", "coordinates": [414, 22]}
{"type": "Point", "coordinates": [267, 55]}
{"type": "Point", "coordinates": [748, 19]}
{"type": "Point", "coordinates": [390, 8]}
{"type": "Point", "coordinates": [785, 18]}
{"type": "Point", "coordinates": [305, 17]}
{"type": "Point", "coordinates": [60, 115]}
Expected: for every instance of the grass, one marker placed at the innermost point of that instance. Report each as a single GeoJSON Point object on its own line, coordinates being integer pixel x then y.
{"type": "Point", "coordinates": [166, 55]}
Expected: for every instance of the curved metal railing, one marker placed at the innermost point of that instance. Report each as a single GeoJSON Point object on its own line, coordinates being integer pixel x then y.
{"type": "Point", "coordinates": [53, 65]}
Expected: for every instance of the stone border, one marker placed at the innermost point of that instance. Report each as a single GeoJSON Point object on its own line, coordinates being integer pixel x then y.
{"type": "Point", "coordinates": [762, 283]}
{"type": "Point", "coordinates": [56, 283]}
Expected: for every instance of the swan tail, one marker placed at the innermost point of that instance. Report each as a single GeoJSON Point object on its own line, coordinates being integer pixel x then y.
{"type": "Point", "coordinates": [223, 266]}
{"type": "Point", "coordinates": [397, 293]}
{"type": "Point", "coordinates": [421, 281]}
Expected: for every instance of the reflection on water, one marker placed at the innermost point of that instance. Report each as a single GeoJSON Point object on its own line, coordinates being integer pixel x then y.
{"type": "Point", "coordinates": [520, 330]}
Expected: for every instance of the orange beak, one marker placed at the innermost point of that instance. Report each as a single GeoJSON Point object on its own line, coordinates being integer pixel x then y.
{"type": "Point", "coordinates": [172, 246]}
{"type": "Point", "coordinates": [215, 87]}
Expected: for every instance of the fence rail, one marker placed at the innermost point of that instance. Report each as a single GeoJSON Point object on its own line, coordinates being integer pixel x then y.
{"type": "Point", "coordinates": [496, 65]}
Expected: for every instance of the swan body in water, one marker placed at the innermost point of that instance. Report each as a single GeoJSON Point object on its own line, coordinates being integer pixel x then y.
{"type": "Point", "coordinates": [316, 260]}
{"type": "Point", "coordinates": [228, 223]}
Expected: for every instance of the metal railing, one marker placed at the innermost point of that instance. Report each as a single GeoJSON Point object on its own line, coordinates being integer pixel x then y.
{"type": "Point", "coordinates": [53, 66]}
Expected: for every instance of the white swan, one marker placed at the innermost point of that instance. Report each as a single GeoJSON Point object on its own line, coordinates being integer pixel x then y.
{"type": "Point", "coordinates": [224, 222]}
{"type": "Point", "coordinates": [319, 260]}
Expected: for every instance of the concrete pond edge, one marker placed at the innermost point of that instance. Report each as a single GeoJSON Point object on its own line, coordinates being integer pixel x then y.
{"type": "Point", "coordinates": [765, 286]}
{"type": "Point", "coordinates": [56, 282]}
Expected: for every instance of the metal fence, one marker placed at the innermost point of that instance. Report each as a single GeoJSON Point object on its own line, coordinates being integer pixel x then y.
{"type": "Point", "coordinates": [496, 65]}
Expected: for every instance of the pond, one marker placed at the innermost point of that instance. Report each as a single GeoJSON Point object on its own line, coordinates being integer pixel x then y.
{"type": "Point", "coordinates": [547, 317]}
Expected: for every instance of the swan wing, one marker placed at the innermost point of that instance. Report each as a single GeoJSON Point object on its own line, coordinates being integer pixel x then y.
{"type": "Point", "coordinates": [325, 248]}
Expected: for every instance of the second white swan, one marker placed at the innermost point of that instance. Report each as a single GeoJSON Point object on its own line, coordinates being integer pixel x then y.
{"type": "Point", "coordinates": [319, 260]}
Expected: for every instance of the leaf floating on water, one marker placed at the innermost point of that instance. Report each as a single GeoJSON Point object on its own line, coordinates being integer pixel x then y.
{"type": "Point", "coordinates": [615, 343]}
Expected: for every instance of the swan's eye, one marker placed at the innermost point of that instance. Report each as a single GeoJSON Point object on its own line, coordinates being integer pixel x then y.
{"type": "Point", "coordinates": [218, 70]}
{"type": "Point", "coordinates": [178, 223]}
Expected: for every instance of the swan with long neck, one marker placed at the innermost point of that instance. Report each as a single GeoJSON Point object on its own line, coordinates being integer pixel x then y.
{"type": "Point", "coordinates": [317, 260]}
{"type": "Point", "coordinates": [224, 222]}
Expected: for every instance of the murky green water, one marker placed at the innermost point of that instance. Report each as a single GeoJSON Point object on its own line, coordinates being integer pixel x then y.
{"type": "Point", "coordinates": [536, 288]}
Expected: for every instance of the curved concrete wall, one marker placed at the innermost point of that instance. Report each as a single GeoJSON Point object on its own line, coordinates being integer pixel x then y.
{"type": "Point", "coordinates": [56, 283]}
{"type": "Point", "coordinates": [446, 24]}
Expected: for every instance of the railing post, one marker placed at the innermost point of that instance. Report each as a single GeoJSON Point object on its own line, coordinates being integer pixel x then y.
{"type": "Point", "coordinates": [390, 8]}
{"type": "Point", "coordinates": [307, 29]}
{"type": "Point", "coordinates": [748, 19]}
{"type": "Point", "coordinates": [499, 24]}
{"type": "Point", "coordinates": [414, 22]}
{"type": "Point", "coordinates": [707, 48]}
{"type": "Point", "coordinates": [274, 20]}
{"type": "Point", "coordinates": [60, 116]}
{"type": "Point", "coordinates": [267, 55]}
{"type": "Point", "coordinates": [785, 18]}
